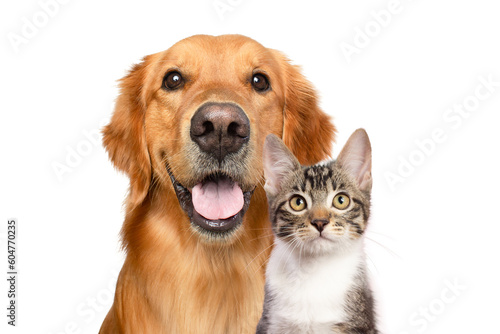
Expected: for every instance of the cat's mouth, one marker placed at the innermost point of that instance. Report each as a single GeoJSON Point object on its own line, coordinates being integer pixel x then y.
{"type": "Point", "coordinates": [215, 205]}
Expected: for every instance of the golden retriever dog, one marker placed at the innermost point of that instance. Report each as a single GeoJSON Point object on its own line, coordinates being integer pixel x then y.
{"type": "Point", "coordinates": [188, 130]}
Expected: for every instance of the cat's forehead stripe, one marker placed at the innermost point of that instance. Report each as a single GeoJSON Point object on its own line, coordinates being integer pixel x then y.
{"type": "Point", "coordinates": [319, 177]}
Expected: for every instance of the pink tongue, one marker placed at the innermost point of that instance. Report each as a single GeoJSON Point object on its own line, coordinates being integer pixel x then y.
{"type": "Point", "coordinates": [217, 200]}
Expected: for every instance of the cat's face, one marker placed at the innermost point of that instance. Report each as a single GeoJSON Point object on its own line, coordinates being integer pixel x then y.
{"type": "Point", "coordinates": [321, 208]}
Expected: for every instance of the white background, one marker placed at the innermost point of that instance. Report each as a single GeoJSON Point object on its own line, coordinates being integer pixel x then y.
{"type": "Point", "coordinates": [438, 226]}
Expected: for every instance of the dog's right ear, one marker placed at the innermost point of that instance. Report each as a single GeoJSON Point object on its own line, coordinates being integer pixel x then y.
{"type": "Point", "coordinates": [307, 131]}
{"type": "Point", "coordinates": [124, 137]}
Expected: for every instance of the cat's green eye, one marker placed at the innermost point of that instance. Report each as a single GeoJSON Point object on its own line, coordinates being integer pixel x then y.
{"type": "Point", "coordinates": [341, 201]}
{"type": "Point", "coordinates": [298, 203]}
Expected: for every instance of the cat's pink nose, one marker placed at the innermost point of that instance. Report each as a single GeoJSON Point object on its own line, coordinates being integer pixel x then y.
{"type": "Point", "coordinates": [319, 224]}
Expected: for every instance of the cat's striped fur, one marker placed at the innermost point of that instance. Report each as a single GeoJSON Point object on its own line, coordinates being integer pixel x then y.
{"type": "Point", "coordinates": [316, 278]}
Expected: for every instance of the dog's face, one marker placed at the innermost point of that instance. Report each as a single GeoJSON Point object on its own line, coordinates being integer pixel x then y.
{"type": "Point", "coordinates": [195, 117]}
{"type": "Point", "coordinates": [206, 123]}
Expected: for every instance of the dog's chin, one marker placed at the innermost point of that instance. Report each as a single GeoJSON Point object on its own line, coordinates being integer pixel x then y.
{"type": "Point", "coordinates": [212, 230]}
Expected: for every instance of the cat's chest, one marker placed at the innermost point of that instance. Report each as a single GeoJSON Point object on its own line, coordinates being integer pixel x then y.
{"type": "Point", "coordinates": [311, 291]}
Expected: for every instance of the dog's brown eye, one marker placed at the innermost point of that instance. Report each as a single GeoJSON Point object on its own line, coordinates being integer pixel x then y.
{"type": "Point", "coordinates": [260, 82]}
{"type": "Point", "coordinates": [173, 80]}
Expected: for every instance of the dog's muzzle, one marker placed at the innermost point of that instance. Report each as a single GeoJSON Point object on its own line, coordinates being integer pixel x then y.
{"type": "Point", "coordinates": [217, 203]}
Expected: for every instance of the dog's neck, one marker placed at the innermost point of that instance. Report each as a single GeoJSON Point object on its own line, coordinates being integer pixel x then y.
{"type": "Point", "coordinates": [171, 254]}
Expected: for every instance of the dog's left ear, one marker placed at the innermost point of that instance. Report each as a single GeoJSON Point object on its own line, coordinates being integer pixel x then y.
{"type": "Point", "coordinates": [307, 131]}
{"type": "Point", "coordinates": [124, 136]}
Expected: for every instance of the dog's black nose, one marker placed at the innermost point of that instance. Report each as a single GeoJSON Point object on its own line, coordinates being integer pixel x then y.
{"type": "Point", "coordinates": [220, 128]}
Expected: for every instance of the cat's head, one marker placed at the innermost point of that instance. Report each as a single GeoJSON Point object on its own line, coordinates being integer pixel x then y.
{"type": "Point", "coordinates": [322, 208]}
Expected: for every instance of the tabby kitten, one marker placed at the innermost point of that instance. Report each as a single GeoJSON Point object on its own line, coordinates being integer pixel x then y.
{"type": "Point", "coordinates": [316, 276]}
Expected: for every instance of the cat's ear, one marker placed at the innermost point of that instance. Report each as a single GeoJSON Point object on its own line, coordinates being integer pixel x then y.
{"type": "Point", "coordinates": [356, 158]}
{"type": "Point", "coordinates": [278, 162]}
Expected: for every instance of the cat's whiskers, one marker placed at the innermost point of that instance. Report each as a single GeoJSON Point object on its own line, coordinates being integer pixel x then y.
{"type": "Point", "coordinates": [301, 248]}
{"type": "Point", "coordinates": [384, 247]}
{"type": "Point", "coordinates": [338, 230]}
{"type": "Point", "coordinates": [382, 234]}
{"type": "Point", "coordinates": [373, 263]}
{"type": "Point", "coordinates": [265, 236]}
{"type": "Point", "coordinates": [288, 245]}
{"type": "Point", "coordinates": [257, 256]}
{"type": "Point", "coordinates": [294, 243]}
{"type": "Point", "coordinates": [263, 263]}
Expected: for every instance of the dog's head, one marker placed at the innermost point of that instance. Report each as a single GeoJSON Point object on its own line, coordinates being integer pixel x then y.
{"type": "Point", "coordinates": [194, 118]}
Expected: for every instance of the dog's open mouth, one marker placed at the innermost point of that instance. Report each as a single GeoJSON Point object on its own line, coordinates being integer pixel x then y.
{"type": "Point", "coordinates": [216, 204]}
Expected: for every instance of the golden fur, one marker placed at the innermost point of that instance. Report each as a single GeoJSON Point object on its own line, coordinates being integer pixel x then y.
{"type": "Point", "coordinates": [174, 279]}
